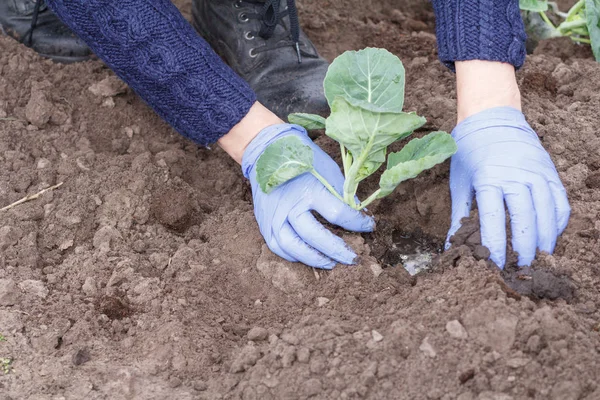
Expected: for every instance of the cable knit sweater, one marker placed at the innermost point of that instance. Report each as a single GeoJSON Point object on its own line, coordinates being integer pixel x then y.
{"type": "Point", "coordinates": [149, 45]}
{"type": "Point", "coordinates": [158, 54]}
{"type": "Point", "coordinates": [491, 30]}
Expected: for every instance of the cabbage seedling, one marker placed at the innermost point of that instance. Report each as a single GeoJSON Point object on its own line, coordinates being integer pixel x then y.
{"type": "Point", "coordinates": [581, 23]}
{"type": "Point", "coordinates": [365, 91]}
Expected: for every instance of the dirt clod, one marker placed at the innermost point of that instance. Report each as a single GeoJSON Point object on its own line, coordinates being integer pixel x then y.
{"type": "Point", "coordinates": [113, 307]}
{"type": "Point", "coordinates": [8, 292]}
{"type": "Point", "coordinates": [81, 356]}
{"type": "Point", "coordinates": [173, 208]}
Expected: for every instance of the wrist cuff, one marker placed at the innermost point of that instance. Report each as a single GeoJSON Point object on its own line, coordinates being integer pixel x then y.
{"type": "Point", "coordinates": [490, 30]}
{"type": "Point", "coordinates": [496, 116]}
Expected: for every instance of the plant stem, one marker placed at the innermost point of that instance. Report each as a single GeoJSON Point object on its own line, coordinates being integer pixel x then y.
{"type": "Point", "coordinates": [350, 185]}
{"type": "Point", "coordinates": [547, 20]}
{"type": "Point", "coordinates": [570, 25]}
{"type": "Point", "coordinates": [581, 40]}
{"type": "Point", "coordinates": [326, 184]}
{"type": "Point", "coordinates": [575, 9]}
{"type": "Point", "coordinates": [369, 200]}
{"type": "Point", "coordinates": [344, 159]}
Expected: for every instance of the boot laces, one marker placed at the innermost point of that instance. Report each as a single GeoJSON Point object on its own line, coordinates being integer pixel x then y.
{"type": "Point", "coordinates": [270, 16]}
{"type": "Point", "coordinates": [28, 37]}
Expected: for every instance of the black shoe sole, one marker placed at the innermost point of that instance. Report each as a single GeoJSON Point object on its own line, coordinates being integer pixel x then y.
{"type": "Point", "coordinates": [67, 59]}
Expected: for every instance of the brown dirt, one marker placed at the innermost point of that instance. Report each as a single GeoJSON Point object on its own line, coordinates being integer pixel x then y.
{"type": "Point", "coordinates": [106, 292]}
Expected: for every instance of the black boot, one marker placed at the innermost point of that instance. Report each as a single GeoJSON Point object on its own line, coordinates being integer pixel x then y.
{"type": "Point", "coordinates": [33, 24]}
{"type": "Point", "coordinates": [262, 41]}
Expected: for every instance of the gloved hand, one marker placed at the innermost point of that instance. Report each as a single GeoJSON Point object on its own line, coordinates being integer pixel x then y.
{"type": "Point", "coordinates": [501, 159]}
{"type": "Point", "coordinates": [284, 217]}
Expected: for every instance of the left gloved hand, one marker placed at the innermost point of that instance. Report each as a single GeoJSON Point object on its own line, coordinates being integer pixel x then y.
{"type": "Point", "coordinates": [284, 215]}
{"type": "Point", "coordinates": [501, 159]}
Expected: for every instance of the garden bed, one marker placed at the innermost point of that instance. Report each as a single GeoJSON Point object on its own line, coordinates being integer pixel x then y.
{"type": "Point", "coordinates": [144, 276]}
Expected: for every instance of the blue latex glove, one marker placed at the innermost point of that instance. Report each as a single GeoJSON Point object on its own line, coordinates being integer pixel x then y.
{"type": "Point", "coordinates": [501, 159]}
{"type": "Point", "coordinates": [284, 215]}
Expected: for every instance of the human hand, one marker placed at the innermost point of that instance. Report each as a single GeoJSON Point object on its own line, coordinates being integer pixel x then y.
{"type": "Point", "coordinates": [501, 159]}
{"type": "Point", "coordinates": [284, 215]}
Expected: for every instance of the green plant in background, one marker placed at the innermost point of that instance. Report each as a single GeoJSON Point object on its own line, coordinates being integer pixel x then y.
{"type": "Point", "coordinates": [581, 23]}
{"type": "Point", "coordinates": [5, 365]}
{"type": "Point", "coordinates": [365, 91]}
{"type": "Point", "coordinates": [2, 338]}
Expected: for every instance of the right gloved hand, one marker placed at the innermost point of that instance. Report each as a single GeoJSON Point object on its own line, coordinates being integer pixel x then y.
{"type": "Point", "coordinates": [501, 160]}
{"type": "Point", "coordinates": [284, 215]}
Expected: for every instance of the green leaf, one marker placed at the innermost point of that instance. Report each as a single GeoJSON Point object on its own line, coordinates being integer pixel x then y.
{"type": "Point", "coordinates": [592, 11]}
{"type": "Point", "coordinates": [370, 78]}
{"type": "Point", "coordinates": [371, 165]}
{"type": "Point", "coordinates": [366, 133]}
{"type": "Point", "coordinates": [533, 5]}
{"type": "Point", "coordinates": [307, 121]}
{"type": "Point", "coordinates": [283, 160]}
{"type": "Point", "coordinates": [417, 156]}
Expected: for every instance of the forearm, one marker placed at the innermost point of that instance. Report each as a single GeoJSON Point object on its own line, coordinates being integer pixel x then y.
{"type": "Point", "coordinates": [485, 84]}
{"type": "Point", "coordinates": [157, 53]}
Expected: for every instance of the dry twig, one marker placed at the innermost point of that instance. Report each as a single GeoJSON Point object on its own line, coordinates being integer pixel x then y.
{"type": "Point", "coordinates": [30, 197]}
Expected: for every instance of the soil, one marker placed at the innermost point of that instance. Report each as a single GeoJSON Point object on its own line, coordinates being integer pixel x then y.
{"type": "Point", "coordinates": [144, 275]}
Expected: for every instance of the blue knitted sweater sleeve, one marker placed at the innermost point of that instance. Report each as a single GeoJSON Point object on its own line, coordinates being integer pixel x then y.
{"type": "Point", "coordinates": [149, 45]}
{"type": "Point", "coordinates": [490, 30]}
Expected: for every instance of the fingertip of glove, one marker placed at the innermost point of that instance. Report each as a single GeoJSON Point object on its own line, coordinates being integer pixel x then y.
{"type": "Point", "coordinates": [369, 223]}
{"type": "Point", "coordinates": [328, 266]}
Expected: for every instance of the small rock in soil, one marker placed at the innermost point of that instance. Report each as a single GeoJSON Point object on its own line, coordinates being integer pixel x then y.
{"type": "Point", "coordinates": [257, 334]}
{"type": "Point", "coordinates": [456, 330]}
{"type": "Point", "coordinates": [8, 292]}
{"type": "Point", "coordinates": [321, 301]}
{"type": "Point", "coordinates": [89, 287]}
{"type": "Point", "coordinates": [108, 87]}
{"type": "Point", "coordinates": [43, 163]}
{"type": "Point", "coordinates": [427, 348]}
{"type": "Point", "coordinates": [36, 288]}
{"type": "Point", "coordinates": [377, 337]}
{"type": "Point", "coordinates": [376, 269]}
